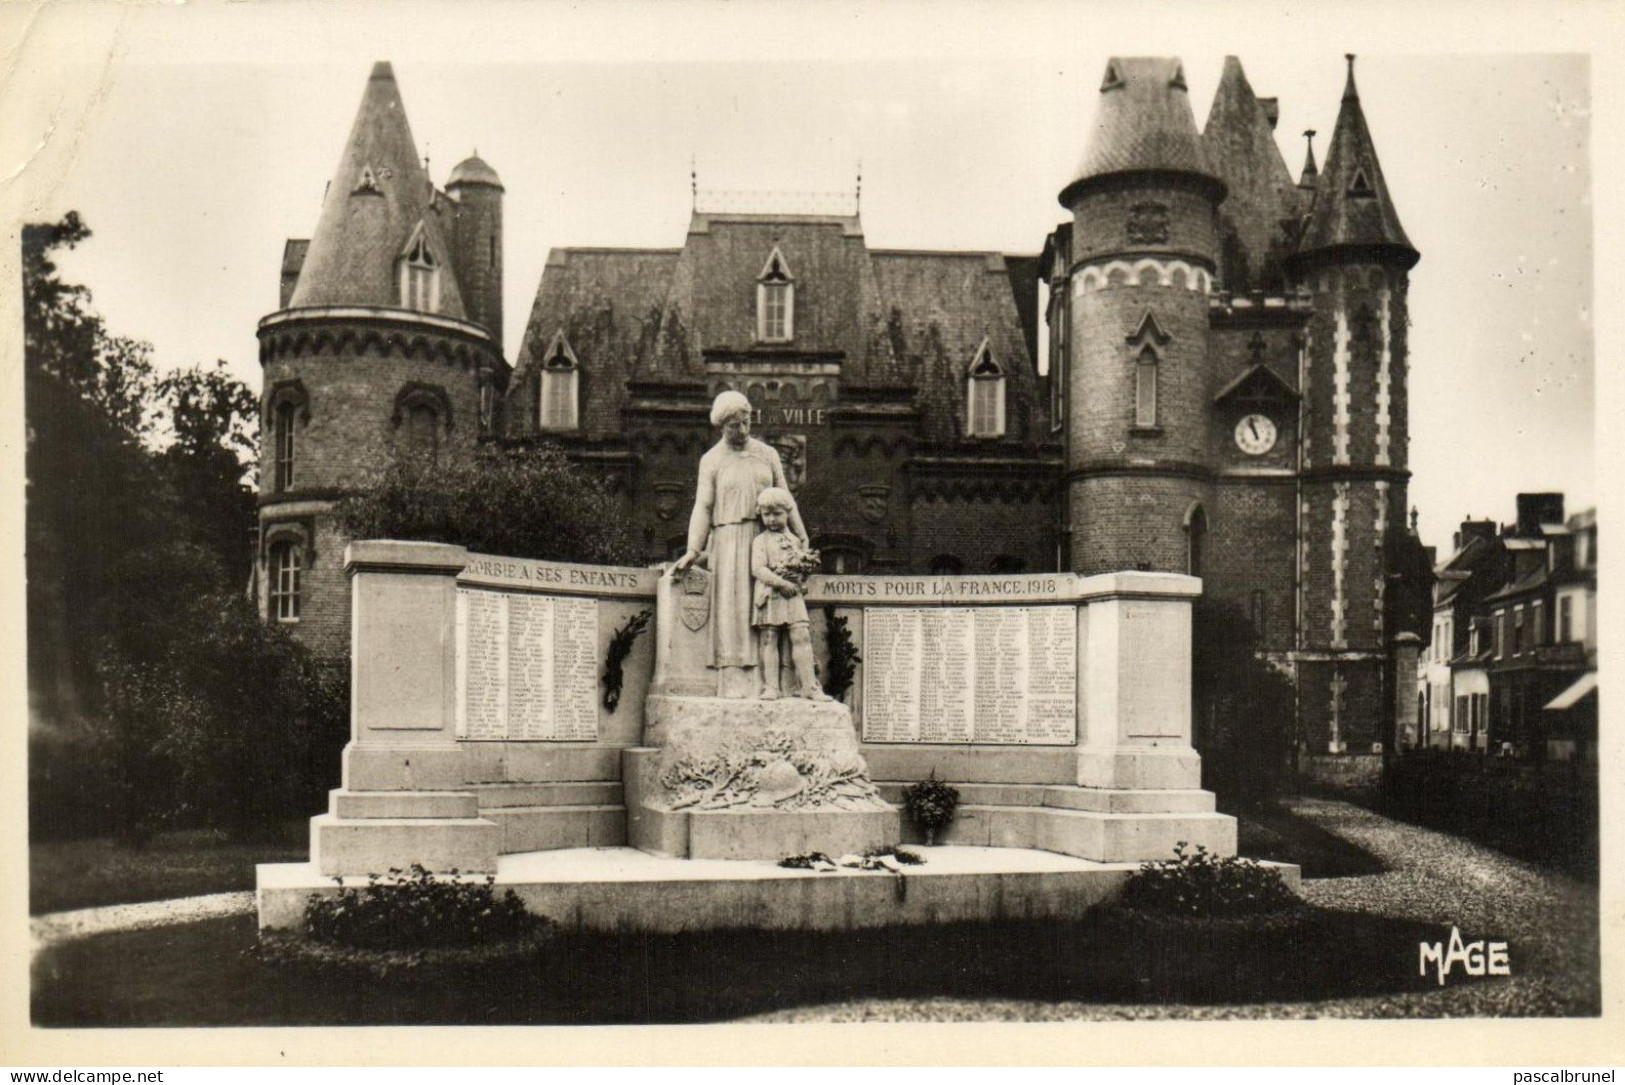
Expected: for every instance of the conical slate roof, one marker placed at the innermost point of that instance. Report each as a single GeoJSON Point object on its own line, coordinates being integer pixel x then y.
{"type": "Point", "coordinates": [473, 170]}
{"type": "Point", "coordinates": [1239, 144]}
{"type": "Point", "coordinates": [1352, 206]}
{"type": "Point", "coordinates": [1143, 121]}
{"type": "Point", "coordinates": [378, 196]}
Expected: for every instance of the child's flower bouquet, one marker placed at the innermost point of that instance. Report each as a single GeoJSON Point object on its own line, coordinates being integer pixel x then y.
{"type": "Point", "coordinates": [798, 564]}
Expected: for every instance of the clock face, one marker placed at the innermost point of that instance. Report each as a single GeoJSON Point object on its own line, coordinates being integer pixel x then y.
{"type": "Point", "coordinates": [1255, 434]}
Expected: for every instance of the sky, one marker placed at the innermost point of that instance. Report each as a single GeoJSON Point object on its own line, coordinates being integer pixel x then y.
{"type": "Point", "coordinates": [194, 140]}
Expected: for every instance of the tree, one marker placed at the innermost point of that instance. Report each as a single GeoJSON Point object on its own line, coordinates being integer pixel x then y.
{"type": "Point", "coordinates": [212, 420]}
{"type": "Point", "coordinates": [527, 504]}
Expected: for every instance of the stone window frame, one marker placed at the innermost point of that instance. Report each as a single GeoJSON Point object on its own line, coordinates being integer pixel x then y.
{"type": "Point", "coordinates": [558, 388]}
{"type": "Point", "coordinates": [775, 284]}
{"type": "Point", "coordinates": [419, 273]}
{"type": "Point", "coordinates": [416, 395]}
{"type": "Point", "coordinates": [1145, 346]}
{"type": "Point", "coordinates": [287, 558]}
{"type": "Point", "coordinates": [985, 394]}
{"type": "Point", "coordinates": [287, 410]}
{"type": "Point", "coordinates": [1196, 529]}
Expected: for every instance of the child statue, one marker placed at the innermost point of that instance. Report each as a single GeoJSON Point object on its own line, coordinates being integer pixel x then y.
{"type": "Point", "coordinates": [780, 566]}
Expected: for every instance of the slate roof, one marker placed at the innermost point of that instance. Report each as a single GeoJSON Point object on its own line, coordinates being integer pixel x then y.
{"type": "Point", "coordinates": [473, 170]}
{"type": "Point", "coordinates": [1352, 206]}
{"type": "Point", "coordinates": [1262, 204]}
{"type": "Point", "coordinates": [1143, 121]}
{"type": "Point", "coordinates": [894, 319]}
{"type": "Point", "coordinates": [364, 226]}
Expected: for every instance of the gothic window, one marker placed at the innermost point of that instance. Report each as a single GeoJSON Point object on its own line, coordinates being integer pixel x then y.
{"type": "Point", "coordinates": [285, 560]}
{"type": "Point", "coordinates": [1058, 366]}
{"type": "Point", "coordinates": [559, 399]}
{"type": "Point", "coordinates": [420, 275]}
{"type": "Point", "coordinates": [422, 427]}
{"type": "Point", "coordinates": [775, 301]}
{"type": "Point", "coordinates": [1195, 539]}
{"type": "Point", "coordinates": [1145, 388]}
{"type": "Point", "coordinates": [283, 443]}
{"type": "Point", "coordinates": [839, 561]}
{"type": "Point", "coordinates": [984, 395]}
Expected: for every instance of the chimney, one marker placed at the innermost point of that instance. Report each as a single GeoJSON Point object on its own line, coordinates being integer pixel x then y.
{"type": "Point", "coordinates": [1272, 110]}
{"type": "Point", "coordinates": [1474, 529]}
{"type": "Point", "coordinates": [1537, 509]}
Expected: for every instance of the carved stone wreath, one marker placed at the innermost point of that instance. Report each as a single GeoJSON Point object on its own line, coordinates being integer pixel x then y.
{"type": "Point", "coordinates": [775, 770]}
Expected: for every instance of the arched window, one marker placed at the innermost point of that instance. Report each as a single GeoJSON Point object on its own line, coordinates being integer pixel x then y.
{"type": "Point", "coordinates": [1145, 388]}
{"type": "Point", "coordinates": [1005, 564]}
{"type": "Point", "coordinates": [946, 565]}
{"type": "Point", "coordinates": [420, 275]}
{"type": "Point", "coordinates": [1195, 539]}
{"type": "Point", "coordinates": [559, 395]}
{"type": "Point", "coordinates": [422, 429]}
{"type": "Point", "coordinates": [286, 557]}
{"type": "Point", "coordinates": [283, 442]}
{"type": "Point", "coordinates": [984, 394]}
{"type": "Point", "coordinates": [775, 301]}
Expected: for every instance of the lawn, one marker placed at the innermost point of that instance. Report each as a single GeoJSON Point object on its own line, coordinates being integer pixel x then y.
{"type": "Point", "coordinates": [154, 977]}
{"type": "Point", "coordinates": [64, 875]}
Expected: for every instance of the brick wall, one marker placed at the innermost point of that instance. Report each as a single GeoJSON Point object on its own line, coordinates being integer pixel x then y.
{"type": "Point", "coordinates": [1132, 521]}
{"type": "Point", "coordinates": [477, 255]}
{"type": "Point", "coordinates": [1102, 216]}
{"type": "Point", "coordinates": [1252, 547]}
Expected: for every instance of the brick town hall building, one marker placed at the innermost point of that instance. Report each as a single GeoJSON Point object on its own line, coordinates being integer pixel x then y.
{"type": "Point", "coordinates": [1225, 389]}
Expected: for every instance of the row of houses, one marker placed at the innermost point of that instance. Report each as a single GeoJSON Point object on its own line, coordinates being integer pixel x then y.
{"type": "Point", "coordinates": [1510, 668]}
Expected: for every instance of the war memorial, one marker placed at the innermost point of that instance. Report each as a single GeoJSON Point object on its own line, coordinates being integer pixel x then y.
{"type": "Point", "coordinates": [485, 739]}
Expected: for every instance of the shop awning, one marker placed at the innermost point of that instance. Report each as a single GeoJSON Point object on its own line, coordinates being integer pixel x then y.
{"type": "Point", "coordinates": [1586, 683]}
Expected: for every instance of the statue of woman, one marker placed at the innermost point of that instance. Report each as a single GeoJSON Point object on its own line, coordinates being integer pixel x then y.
{"type": "Point", "coordinates": [732, 475]}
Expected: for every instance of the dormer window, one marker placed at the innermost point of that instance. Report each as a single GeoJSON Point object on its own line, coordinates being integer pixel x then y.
{"type": "Point", "coordinates": [984, 395]}
{"type": "Point", "coordinates": [775, 301]}
{"type": "Point", "coordinates": [1361, 186]}
{"type": "Point", "coordinates": [420, 275]}
{"type": "Point", "coordinates": [558, 398]}
{"type": "Point", "coordinates": [367, 182]}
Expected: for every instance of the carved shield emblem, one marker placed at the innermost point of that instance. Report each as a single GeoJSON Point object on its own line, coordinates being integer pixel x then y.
{"type": "Point", "coordinates": [667, 497]}
{"type": "Point", "coordinates": [874, 502]}
{"type": "Point", "coordinates": [1148, 224]}
{"type": "Point", "coordinates": [694, 608]}
{"type": "Point", "coordinates": [792, 450]}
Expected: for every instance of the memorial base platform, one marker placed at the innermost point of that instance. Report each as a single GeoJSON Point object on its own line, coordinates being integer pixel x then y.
{"type": "Point", "coordinates": [737, 778]}
{"type": "Point", "coordinates": [625, 889]}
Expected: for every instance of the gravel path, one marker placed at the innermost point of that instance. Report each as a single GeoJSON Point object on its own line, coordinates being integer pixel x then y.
{"type": "Point", "coordinates": [1432, 877]}
{"type": "Point", "coordinates": [58, 926]}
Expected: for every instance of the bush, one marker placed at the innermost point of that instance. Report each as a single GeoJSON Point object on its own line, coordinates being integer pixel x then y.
{"type": "Point", "coordinates": [1243, 708]}
{"type": "Point", "coordinates": [529, 503]}
{"type": "Point", "coordinates": [931, 805]}
{"type": "Point", "coordinates": [413, 910]}
{"type": "Point", "coordinates": [1200, 884]}
{"type": "Point", "coordinates": [213, 718]}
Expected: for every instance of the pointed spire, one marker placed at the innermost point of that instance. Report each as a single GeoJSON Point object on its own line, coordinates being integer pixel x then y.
{"type": "Point", "coordinates": [1352, 207]}
{"type": "Point", "coordinates": [1239, 143]}
{"type": "Point", "coordinates": [377, 198]}
{"type": "Point", "coordinates": [1143, 122]}
{"type": "Point", "coordinates": [1311, 172]}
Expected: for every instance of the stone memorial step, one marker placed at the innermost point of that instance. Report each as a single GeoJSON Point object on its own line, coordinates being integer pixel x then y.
{"type": "Point", "coordinates": [547, 828]}
{"type": "Point", "coordinates": [1088, 834]}
{"type": "Point", "coordinates": [571, 793]}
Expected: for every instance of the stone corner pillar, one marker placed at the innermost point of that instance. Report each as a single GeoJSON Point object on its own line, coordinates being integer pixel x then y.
{"type": "Point", "coordinates": [400, 802]}
{"type": "Point", "coordinates": [1134, 665]}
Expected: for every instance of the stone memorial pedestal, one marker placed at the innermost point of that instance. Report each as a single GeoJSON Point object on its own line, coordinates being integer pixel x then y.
{"type": "Point", "coordinates": [740, 778]}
